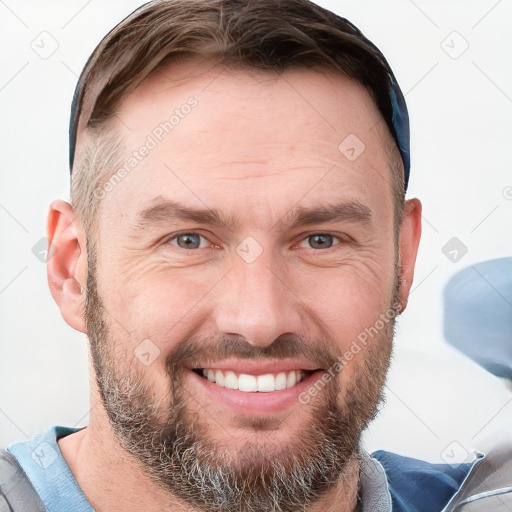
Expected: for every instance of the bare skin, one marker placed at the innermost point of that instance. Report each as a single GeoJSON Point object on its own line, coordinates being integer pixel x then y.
{"type": "Point", "coordinates": [257, 148]}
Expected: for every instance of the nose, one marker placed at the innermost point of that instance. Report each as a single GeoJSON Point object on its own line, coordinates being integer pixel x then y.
{"type": "Point", "coordinates": [257, 303]}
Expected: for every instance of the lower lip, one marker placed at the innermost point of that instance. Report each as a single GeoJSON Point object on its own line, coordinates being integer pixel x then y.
{"type": "Point", "coordinates": [255, 402]}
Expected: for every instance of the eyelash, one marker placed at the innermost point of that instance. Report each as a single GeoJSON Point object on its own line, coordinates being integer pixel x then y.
{"type": "Point", "coordinates": [177, 235]}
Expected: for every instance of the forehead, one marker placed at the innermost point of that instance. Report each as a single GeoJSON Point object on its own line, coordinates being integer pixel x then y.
{"type": "Point", "coordinates": [228, 137]}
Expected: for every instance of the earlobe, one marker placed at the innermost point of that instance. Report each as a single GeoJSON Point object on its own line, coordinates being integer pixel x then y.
{"type": "Point", "coordinates": [410, 234]}
{"type": "Point", "coordinates": [67, 263]}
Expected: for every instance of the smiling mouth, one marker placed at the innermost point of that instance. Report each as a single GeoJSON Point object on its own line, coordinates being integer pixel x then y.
{"type": "Point", "coordinates": [266, 383]}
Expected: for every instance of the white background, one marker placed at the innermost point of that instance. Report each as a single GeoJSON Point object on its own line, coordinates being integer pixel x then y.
{"type": "Point", "coordinates": [461, 119]}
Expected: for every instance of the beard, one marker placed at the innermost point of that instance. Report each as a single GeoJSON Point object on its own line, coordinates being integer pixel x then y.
{"type": "Point", "coordinates": [173, 446]}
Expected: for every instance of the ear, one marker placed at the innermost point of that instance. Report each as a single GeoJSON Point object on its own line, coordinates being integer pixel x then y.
{"type": "Point", "coordinates": [67, 263]}
{"type": "Point", "coordinates": [410, 234]}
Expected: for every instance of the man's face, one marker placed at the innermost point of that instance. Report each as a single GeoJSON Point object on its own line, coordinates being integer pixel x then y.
{"type": "Point", "coordinates": [257, 300]}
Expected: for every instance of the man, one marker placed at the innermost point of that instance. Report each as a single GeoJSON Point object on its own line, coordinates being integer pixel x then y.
{"type": "Point", "coordinates": [237, 224]}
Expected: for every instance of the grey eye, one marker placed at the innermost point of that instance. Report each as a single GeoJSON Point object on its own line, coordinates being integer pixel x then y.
{"type": "Point", "coordinates": [188, 240]}
{"type": "Point", "coordinates": [321, 241]}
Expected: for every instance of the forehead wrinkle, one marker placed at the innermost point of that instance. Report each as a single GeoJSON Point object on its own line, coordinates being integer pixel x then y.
{"type": "Point", "coordinates": [167, 211]}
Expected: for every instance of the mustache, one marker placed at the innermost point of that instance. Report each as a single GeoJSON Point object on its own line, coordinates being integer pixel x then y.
{"type": "Point", "coordinates": [191, 350]}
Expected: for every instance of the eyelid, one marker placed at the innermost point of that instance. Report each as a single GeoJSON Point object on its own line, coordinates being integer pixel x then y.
{"type": "Point", "coordinates": [303, 237]}
{"type": "Point", "coordinates": [340, 238]}
{"type": "Point", "coordinates": [170, 238]}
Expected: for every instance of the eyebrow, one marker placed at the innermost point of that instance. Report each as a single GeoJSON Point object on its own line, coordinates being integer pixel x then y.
{"type": "Point", "coordinates": [166, 211]}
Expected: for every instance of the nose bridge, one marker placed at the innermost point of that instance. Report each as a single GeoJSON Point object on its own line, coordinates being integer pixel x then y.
{"type": "Point", "coordinates": [256, 303]}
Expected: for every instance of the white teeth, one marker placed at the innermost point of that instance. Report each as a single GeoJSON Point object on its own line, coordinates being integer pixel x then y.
{"type": "Point", "coordinates": [252, 383]}
{"type": "Point", "coordinates": [291, 379]}
{"type": "Point", "coordinates": [231, 380]}
{"type": "Point", "coordinates": [281, 381]}
{"type": "Point", "coordinates": [266, 383]}
{"type": "Point", "coordinates": [247, 382]}
{"type": "Point", "coordinates": [219, 378]}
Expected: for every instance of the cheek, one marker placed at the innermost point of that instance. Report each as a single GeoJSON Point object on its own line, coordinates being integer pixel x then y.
{"type": "Point", "coordinates": [158, 308]}
{"type": "Point", "coordinates": [349, 298]}
{"type": "Point", "coordinates": [149, 290]}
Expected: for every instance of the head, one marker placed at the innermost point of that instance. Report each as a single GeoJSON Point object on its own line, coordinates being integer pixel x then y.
{"type": "Point", "coordinates": [237, 206]}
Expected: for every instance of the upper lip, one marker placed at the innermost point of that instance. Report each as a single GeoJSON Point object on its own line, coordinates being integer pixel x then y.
{"type": "Point", "coordinates": [254, 367]}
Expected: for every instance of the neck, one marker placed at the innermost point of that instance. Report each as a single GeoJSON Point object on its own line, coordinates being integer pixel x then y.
{"type": "Point", "coordinates": [112, 480]}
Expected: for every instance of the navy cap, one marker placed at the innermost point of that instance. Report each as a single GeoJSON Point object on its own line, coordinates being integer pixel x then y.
{"type": "Point", "coordinates": [398, 125]}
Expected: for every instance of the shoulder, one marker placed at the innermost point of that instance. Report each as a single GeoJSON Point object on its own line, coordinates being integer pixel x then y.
{"type": "Point", "coordinates": [16, 490]}
{"type": "Point", "coordinates": [419, 486]}
{"type": "Point", "coordinates": [489, 484]}
{"type": "Point", "coordinates": [34, 476]}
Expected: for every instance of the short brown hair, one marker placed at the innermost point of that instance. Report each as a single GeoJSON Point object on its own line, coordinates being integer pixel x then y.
{"type": "Point", "coordinates": [268, 35]}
